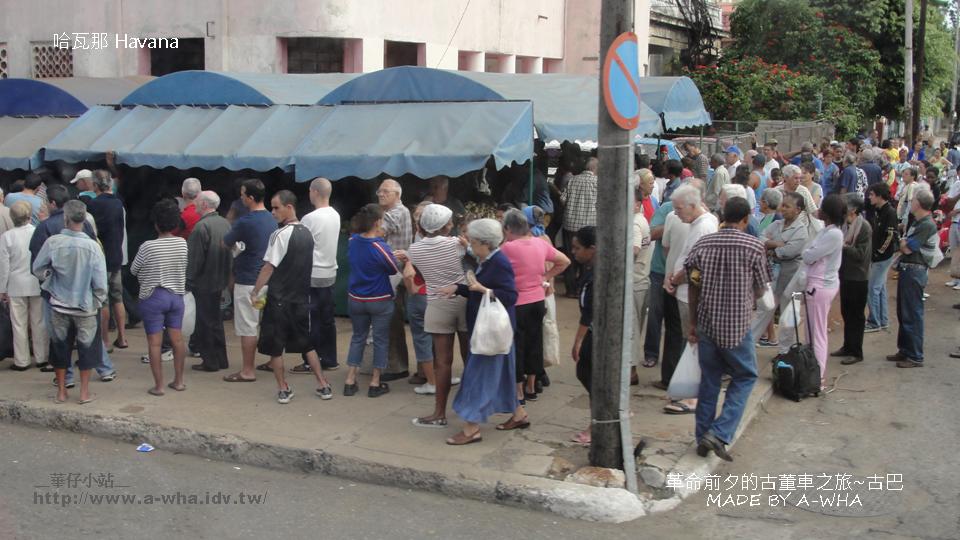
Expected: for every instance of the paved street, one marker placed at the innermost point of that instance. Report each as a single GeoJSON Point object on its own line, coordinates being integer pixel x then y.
{"type": "Point", "coordinates": [903, 422]}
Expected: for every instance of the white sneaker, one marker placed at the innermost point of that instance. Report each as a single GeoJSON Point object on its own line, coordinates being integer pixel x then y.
{"type": "Point", "coordinates": [957, 286]}
{"type": "Point", "coordinates": [426, 389]}
{"type": "Point", "coordinates": [454, 381]}
{"type": "Point", "coordinates": [166, 356]}
{"type": "Point", "coordinates": [952, 283]}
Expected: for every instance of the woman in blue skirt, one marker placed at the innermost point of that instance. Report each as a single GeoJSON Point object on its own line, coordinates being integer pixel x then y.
{"type": "Point", "coordinates": [488, 381]}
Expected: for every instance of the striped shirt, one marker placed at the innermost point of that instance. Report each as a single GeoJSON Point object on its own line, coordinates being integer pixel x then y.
{"type": "Point", "coordinates": [439, 260]}
{"type": "Point", "coordinates": [161, 263]}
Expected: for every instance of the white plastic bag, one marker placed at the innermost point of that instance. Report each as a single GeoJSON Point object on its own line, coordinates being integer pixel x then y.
{"type": "Point", "coordinates": [766, 302]}
{"type": "Point", "coordinates": [685, 383]}
{"type": "Point", "coordinates": [790, 314]}
{"type": "Point", "coordinates": [189, 316]}
{"type": "Point", "coordinates": [492, 333]}
{"type": "Point", "coordinates": [551, 334]}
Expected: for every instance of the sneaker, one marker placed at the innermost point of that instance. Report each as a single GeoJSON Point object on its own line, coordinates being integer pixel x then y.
{"type": "Point", "coordinates": [926, 295]}
{"type": "Point", "coordinates": [426, 389]}
{"type": "Point", "coordinates": [454, 381]}
{"type": "Point", "coordinates": [325, 393]}
{"type": "Point", "coordinates": [165, 356]}
{"type": "Point", "coordinates": [69, 384]}
{"type": "Point", "coordinates": [109, 376]}
{"type": "Point", "coordinates": [952, 283]}
{"type": "Point", "coordinates": [284, 396]}
{"type": "Point", "coordinates": [956, 287]}
{"type": "Point", "coordinates": [766, 343]}
{"type": "Point", "coordinates": [193, 354]}
{"type": "Point", "coordinates": [868, 329]}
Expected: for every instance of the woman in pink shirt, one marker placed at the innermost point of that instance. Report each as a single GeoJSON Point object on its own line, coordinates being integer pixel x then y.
{"type": "Point", "coordinates": [529, 257]}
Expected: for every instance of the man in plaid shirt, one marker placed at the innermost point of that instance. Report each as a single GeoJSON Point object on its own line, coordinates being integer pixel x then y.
{"type": "Point", "coordinates": [580, 210]}
{"type": "Point", "coordinates": [727, 271]}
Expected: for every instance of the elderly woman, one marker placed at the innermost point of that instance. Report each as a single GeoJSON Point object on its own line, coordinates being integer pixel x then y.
{"type": "Point", "coordinates": [530, 256]}
{"type": "Point", "coordinates": [821, 261]}
{"type": "Point", "coordinates": [791, 184]}
{"type": "Point", "coordinates": [854, 273]}
{"type": "Point", "coordinates": [488, 381]}
{"type": "Point", "coordinates": [769, 204]}
{"type": "Point", "coordinates": [439, 259]}
{"type": "Point", "coordinates": [784, 240]}
{"type": "Point", "coordinates": [21, 289]}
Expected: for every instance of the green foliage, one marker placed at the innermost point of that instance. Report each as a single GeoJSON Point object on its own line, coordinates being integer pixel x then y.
{"type": "Point", "coordinates": [751, 89]}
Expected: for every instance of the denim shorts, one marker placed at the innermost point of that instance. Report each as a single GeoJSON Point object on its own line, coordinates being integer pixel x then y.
{"type": "Point", "coordinates": [162, 309]}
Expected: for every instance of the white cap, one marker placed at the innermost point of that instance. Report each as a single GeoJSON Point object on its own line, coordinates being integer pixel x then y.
{"type": "Point", "coordinates": [82, 174]}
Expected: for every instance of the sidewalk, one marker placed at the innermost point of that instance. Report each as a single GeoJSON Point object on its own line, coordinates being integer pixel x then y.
{"type": "Point", "coordinates": [373, 440]}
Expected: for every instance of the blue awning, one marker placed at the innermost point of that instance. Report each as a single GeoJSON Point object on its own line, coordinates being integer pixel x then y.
{"type": "Point", "coordinates": [423, 139]}
{"type": "Point", "coordinates": [565, 106]}
{"type": "Point", "coordinates": [22, 138]}
{"type": "Point", "coordinates": [677, 99]}
{"type": "Point", "coordinates": [220, 89]}
{"type": "Point", "coordinates": [258, 138]}
{"type": "Point", "coordinates": [68, 96]}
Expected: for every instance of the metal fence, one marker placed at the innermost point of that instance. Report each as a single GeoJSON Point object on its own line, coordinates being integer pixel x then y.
{"type": "Point", "coordinates": [790, 135]}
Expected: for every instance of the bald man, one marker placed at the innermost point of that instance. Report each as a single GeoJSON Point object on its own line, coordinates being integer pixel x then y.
{"type": "Point", "coordinates": [209, 263]}
{"type": "Point", "coordinates": [324, 224]}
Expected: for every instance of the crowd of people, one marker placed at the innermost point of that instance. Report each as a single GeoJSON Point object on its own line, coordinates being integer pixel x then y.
{"type": "Point", "coordinates": [711, 235]}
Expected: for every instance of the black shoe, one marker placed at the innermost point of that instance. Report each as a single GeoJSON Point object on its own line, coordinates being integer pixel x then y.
{"type": "Point", "coordinates": [544, 379]}
{"type": "Point", "coordinates": [896, 358]}
{"type": "Point", "coordinates": [839, 352]}
{"type": "Point", "coordinates": [956, 306]}
{"type": "Point", "coordinates": [702, 449]}
{"type": "Point", "coordinates": [15, 367]}
{"type": "Point", "coordinates": [713, 443]}
{"type": "Point", "coordinates": [851, 360]}
{"type": "Point", "coordinates": [538, 386]}
{"type": "Point", "coordinates": [377, 391]}
{"type": "Point", "coordinates": [201, 367]}
{"type": "Point", "coordinates": [395, 376]}
{"type": "Point", "coordinates": [350, 389]}
{"type": "Point", "coordinates": [529, 397]}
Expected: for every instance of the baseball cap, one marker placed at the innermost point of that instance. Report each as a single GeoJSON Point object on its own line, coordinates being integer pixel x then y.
{"type": "Point", "coordinates": [734, 150]}
{"type": "Point", "coordinates": [82, 174]}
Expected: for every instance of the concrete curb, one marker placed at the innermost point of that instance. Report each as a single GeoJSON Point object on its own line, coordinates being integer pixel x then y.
{"type": "Point", "coordinates": [611, 505]}
{"type": "Point", "coordinates": [691, 464]}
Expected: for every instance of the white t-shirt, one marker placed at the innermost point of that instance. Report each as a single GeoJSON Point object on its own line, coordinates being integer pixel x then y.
{"type": "Point", "coordinates": [770, 166]}
{"type": "Point", "coordinates": [324, 225]}
{"type": "Point", "coordinates": [706, 224]}
{"type": "Point", "coordinates": [674, 234]}
{"type": "Point", "coordinates": [641, 262]}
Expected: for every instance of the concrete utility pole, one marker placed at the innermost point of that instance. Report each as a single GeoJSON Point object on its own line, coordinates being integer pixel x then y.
{"type": "Point", "coordinates": [956, 69]}
{"type": "Point", "coordinates": [614, 204]}
{"type": "Point", "coordinates": [918, 73]}
{"type": "Point", "coordinates": [908, 73]}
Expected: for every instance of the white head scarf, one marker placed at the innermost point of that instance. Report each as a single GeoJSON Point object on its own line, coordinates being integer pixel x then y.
{"type": "Point", "coordinates": [434, 217]}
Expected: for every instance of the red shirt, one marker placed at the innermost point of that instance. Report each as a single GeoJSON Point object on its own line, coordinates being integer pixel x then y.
{"type": "Point", "coordinates": [190, 218]}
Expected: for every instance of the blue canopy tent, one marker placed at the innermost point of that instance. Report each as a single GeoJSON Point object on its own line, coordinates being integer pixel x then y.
{"type": "Point", "coordinates": [33, 112]}
{"type": "Point", "coordinates": [565, 106]}
{"type": "Point", "coordinates": [422, 139]}
{"type": "Point", "coordinates": [235, 137]}
{"type": "Point", "coordinates": [210, 88]}
{"type": "Point", "coordinates": [676, 100]}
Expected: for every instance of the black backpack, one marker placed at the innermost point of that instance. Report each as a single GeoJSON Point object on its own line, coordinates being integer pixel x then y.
{"type": "Point", "coordinates": [796, 374]}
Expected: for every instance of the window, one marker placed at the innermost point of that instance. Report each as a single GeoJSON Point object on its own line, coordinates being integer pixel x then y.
{"type": "Point", "coordinates": [400, 53]}
{"type": "Point", "coordinates": [188, 55]}
{"type": "Point", "coordinates": [3, 61]}
{"type": "Point", "coordinates": [49, 60]}
{"type": "Point", "coordinates": [314, 55]}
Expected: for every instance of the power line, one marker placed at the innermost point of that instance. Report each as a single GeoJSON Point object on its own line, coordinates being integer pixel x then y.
{"type": "Point", "coordinates": [455, 30]}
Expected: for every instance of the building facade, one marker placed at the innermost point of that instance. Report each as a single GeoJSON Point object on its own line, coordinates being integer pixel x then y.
{"type": "Point", "coordinates": [115, 38]}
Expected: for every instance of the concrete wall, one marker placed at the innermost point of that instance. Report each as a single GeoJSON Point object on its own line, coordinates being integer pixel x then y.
{"type": "Point", "coordinates": [244, 35]}
{"type": "Point", "coordinates": [582, 41]}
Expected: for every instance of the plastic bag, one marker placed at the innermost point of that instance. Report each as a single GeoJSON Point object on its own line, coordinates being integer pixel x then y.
{"type": "Point", "coordinates": [790, 314]}
{"type": "Point", "coordinates": [685, 383]}
{"type": "Point", "coordinates": [551, 334]}
{"type": "Point", "coordinates": [189, 316]}
{"type": "Point", "coordinates": [766, 302]}
{"type": "Point", "coordinates": [492, 333]}
{"type": "Point", "coordinates": [797, 283]}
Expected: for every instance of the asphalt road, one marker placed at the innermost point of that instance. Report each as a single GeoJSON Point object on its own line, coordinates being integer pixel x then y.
{"type": "Point", "coordinates": [881, 421]}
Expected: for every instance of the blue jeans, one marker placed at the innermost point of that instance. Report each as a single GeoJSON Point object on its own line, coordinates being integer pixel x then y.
{"type": "Point", "coordinates": [741, 363]}
{"type": "Point", "coordinates": [910, 284]}
{"type": "Point", "coordinates": [651, 344]}
{"type": "Point", "coordinates": [877, 293]}
{"type": "Point", "coordinates": [362, 315]}
{"type": "Point", "coordinates": [422, 341]}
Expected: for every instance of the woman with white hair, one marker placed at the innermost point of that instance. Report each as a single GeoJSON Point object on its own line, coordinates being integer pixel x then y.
{"type": "Point", "coordinates": [488, 381]}
{"type": "Point", "coordinates": [21, 289]}
{"type": "Point", "coordinates": [791, 184]}
{"type": "Point", "coordinates": [769, 204]}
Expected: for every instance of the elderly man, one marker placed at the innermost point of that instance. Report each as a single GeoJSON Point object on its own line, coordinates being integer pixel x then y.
{"type": "Point", "coordinates": [727, 271]}
{"type": "Point", "coordinates": [580, 210]}
{"type": "Point", "coordinates": [733, 157]}
{"type": "Point", "coordinates": [108, 213]}
{"type": "Point", "coordinates": [921, 237]}
{"type": "Point", "coordinates": [190, 213]}
{"type": "Point", "coordinates": [209, 263]}
{"type": "Point", "coordinates": [253, 231]}
{"type": "Point", "coordinates": [324, 225]}
{"type": "Point", "coordinates": [21, 290]}
{"type": "Point", "coordinates": [398, 232]}
{"type": "Point", "coordinates": [720, 178]}
{"type": "Point", "coordinates": [6, 222]}
{"type": "Point", "coordinates": [288, 263]}
{"type": "Point", "coordinates": [689, 208]}
{"type": "Point", "coordinates": [852, 178]}
{"type": "Point", "coordinates": [73, 272]}
{"type": "Point", "coordinates": [83, 181]}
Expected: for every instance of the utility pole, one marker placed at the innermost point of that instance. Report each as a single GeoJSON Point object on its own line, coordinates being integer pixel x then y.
{"type": "Point", "coordinates": [956, 68]}
{"type": "Point", "coordinates": [614, 204]}
{"type": "Point", "coordinates": [908, 73]}
{"type": "Point", "coordinates": [918, 75]}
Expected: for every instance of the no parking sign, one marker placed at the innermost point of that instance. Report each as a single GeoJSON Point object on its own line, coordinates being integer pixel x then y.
{"type": "Point", "coordinates": [621, 81]}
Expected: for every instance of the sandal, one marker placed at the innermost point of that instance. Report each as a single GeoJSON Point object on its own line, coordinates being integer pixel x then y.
{"type": "Point", "coordinates": [678, 407]}
{"type": "Point", "coordinates": [438, 423]}
{"type": "Point", "coordinates": [462, 438]}
{"type": "Point", "coordinates": [236, 377]}
{"type": "Point", "coordinates": [88, 400]}
{"type": "Point", "coordinates": [514, 424]}
{"type": "Point", "coordinates": [180, 388]}
{"type": "Point", "coordinates": [119, 345]}
{"type": "Point", "coordinates": [265, 367]}
{"type": "Point", "coordinates": [650, 362]}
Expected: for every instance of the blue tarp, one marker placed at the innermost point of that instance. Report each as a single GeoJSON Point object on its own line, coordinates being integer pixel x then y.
{"type": "Point", "coordinates": [423, 139]}
{"type": "Point", "coordinates": [22, 138]}
{"type": "Point", "coordinates": [258, 138]}
{"type": "Point", "coordinates": [677, 99]}
{"type": "Point", "coordinates": [220, 89]}
{"type": "Point", "coordinates": [69, 96]}
{"type": "Point", "coordinates": [565, 106]}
